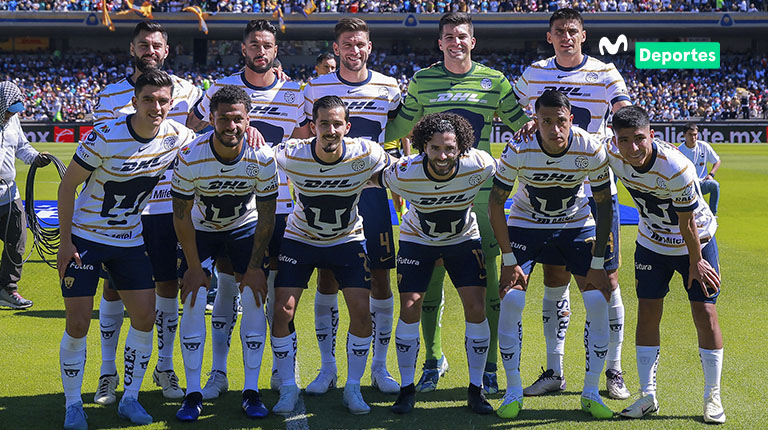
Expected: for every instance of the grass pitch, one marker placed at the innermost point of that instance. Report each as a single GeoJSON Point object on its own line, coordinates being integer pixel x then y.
{"type": "Point", "coordinates": [31, 393]}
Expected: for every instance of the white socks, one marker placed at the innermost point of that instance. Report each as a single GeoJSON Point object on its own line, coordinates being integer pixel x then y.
{"type": "Point", "coordinates": [556, 314]}
{"type": "Point", "coordinates": [192, 333]}
{"type": "Point", "coordinates": [166, 321]}
{"type": "Point", "coordinates": [647, 364]}
{"type": "Point", "coordinates": [111, 316]}
{"type": "Point", "coordinates": [223, 319]}
{"type": "Point", "coordinates": [511, 338]}
{"type": "Point", "coordinates": [72, 362]}
{"type": "Point", "coordinates": [477, 339]}
{"type": "Point", "coordinates": [326, 325]}
{"type": "Point", "coordinates": [595, 338]}
{"type": "Point", "coordinates": [138, 350]}
{"type": "Point", "coordinates": [284, 354]}
{"type": "Point", "coordinates": [712, 363]}
{"type": "Point", "coordinates": [407, 345]}
{"type": "Point", "coordinates": [253, 331]}
{"type": "Point", "coordinates": [357, 356]}
{"type": "Point", "coordinates": [616, 336]}
{"type": "Point", "coordinates": [381, 316]}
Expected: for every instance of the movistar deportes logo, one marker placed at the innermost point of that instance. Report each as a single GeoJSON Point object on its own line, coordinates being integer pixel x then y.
{"type": "Point", "coordinates": [611, 47]}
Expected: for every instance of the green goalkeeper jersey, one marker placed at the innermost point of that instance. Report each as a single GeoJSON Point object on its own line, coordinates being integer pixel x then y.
{"type": "Point", "coordinates": [477, 96]}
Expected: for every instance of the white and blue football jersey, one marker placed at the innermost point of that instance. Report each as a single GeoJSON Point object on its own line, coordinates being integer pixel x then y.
{"type": "Point", "coordinates": [668, 186]}
{"type": "Point", "coordinates": [441, 210]}
{"type": "Point", "coordinates": [551, 194]}
{"type": "Point", "coordinates": [125, 169]}
{"type": "Point", "coordinates": [327, 194]}
{"type": "Point", "coordinates": [276, 111]}
{"type": "Point", "coordinates": [225, 192]}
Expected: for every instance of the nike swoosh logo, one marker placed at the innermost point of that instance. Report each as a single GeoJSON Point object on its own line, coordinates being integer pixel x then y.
{"type": "Point", "coordinates": [227, 170]}
{"type": "Point", "coordinates": [550, 162]}
{"type": "Point", "coordinates": [355, 90]}
{"type": "Point", "coordinates": [322, 170]}
{"type": "Point", "coordinates": [480, 341]}
{"type": "Point", "coordinates": [439, 187]}
{"type": "Point", "coordinates": [562, 76]}
{"type": "Point", "coordinates": [645, 410]}
{"type": "Point", "coordinates": [70, 364]}
{"type": "Point", "coordinates": [142, 149]}
{"type": "Point", "coordinates": [635, 176]}
{"type": "Point", "coordinates": [718, 415]}
{"type": "Point", "coordinates": [493, 245]}
{"type": "Point", "coordinates": [382, 259]}
{"type": "Point", "coordinates": [360, 344]}
{"type": "Point", "coordinates": [611, 47]}
{"type": "Point", "coordinates": [189, 337]}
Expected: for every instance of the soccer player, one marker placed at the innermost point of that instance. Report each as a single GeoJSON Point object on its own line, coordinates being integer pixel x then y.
{"type": "Point", "coordinates": [700, 153]}
{"type": "Point", "coordinates": [215, 183]}
{"type": "Point", "coordinates": [121, 161]}
{"type": "Point", "coordinates": [149, 49]}
{"type": "Point", "coordinates": [328, 173]}
{"type": "Point", "coordinates": [550, 209]}
{"type": "Point", "coordinates": [595, 89]}
{"type": "Point", "coordinates": [371, 99]}
{"type": "Point", "coordinates": [325, 64]}
{"type": "Point", "coordinates": [277, 111]}
{"type": "Point", "coordinates": [676, 234]}
{"type": "Point", "coordinates": [477, 93]}
{"type": "Point", "coordinates": [441, 183]}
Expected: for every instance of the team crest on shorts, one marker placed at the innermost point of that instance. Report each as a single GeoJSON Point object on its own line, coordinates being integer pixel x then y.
{"type": "Point", "coordinates": [289, 96]}
{"type": "Point", "coordinates": [475, 179]}
{"type": "Point", "coordinates": [581, 162]}
{"type": "Point", "coordinates": [69, 281]}
{"type": "Point", "coordinates": [661, 183]}
{"type": "Point", "coordinates": [486, 84]}
{"type": "Point", "coordinates": [591, 77]}
{"type": "Point", "coordinates": [169, 142]}
{"type": "Point", "coordinates": [358, 165]}
{"type": "Point", "coordinates": [252, 170]}
{"type": "Point", "coordinates": [383, 92]}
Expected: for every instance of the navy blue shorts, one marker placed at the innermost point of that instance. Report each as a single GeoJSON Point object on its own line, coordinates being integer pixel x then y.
{"type": "Point", "coordinates": [550, 255]}
{"type": "Point", "coordinates": [653, 271]}
{"type": "Point", "coordinates": [573, 244]}
{"type": "Point", "coordinates": [348, 261]}
{"type": "Point", "coordinates": [237, 245]}
{"type": "Point", "coordinates": [377, 227]}
{"type": "Point", "coordinates": [162, 245]}
{"type": "Point", "coordinates": [277, 235]}
{"type": "Point", "coordinates": [128, 268]}
{"type": "Point", "coordinates": [464, 262]}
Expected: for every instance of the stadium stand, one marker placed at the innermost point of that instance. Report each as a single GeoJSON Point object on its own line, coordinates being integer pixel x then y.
{"type": "Point", "coordinates": [63, 86]}
{"type": "Point", "coordinates": [401, 6]}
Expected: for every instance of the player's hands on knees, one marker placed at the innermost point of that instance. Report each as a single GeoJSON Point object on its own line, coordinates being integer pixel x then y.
{"type": "Point", "coordinates": [253, 137]}
{"type": "Point", "coordinates": [527, 131]}
{"type": "Point", "coordinates": [67, 252]}
{"type": "Point", "coordinates": [708, 278]}
{"type": "Point", "coordinates": [194, 278]}
{"type": "Point", "coordinates": [598, 278]}
{"type": "Point", "coordinates": [511, 276]}
{"type": "Point", "coordinates": [257, 281]}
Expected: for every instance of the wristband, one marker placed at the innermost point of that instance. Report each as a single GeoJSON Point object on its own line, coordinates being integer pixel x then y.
{"type": "Point", "coordinates": [508, 259]}
{"type": "Point", "coordinates": [597, 263]}
{"type": "Point", "coordinates": [711, 174]}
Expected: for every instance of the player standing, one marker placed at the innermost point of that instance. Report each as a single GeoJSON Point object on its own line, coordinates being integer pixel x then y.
{"type": "Point", "coordinates": [477, 93]}
{"type": "Point", "coordinates": [441, 183]}
{"type": "Point", "coordinates": [215, 183]}
{"type": "Point", "coordinates": [551, 210]}
{"type": "Point", "coordinates": [149, 49]}
{"type": "Point", "coordinates": [329, 173]}
{"type": "Point", "coordinates": [371, 99]}
{"type": "Point", "coordinates": [277, 111]}
{"type": "Point", "coordinates": [121, 160]}
{"type": "Point", "coordinates": [676, 234]}
{"type": "Point", "coordinates": [595, 89]}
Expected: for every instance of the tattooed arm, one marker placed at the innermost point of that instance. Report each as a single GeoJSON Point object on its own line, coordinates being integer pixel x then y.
{"type": "Point", "coordinates": [195, 276]}
{"type": "Point", "coordinates": [254, 277]}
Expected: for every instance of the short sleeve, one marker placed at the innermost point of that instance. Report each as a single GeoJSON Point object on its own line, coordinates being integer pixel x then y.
{"type": "Point", "coordinates": [182, 183]}
{"type": "Point", "coordinates": [506, 172]}
{"type": "Point", "coordinates": [683, 189]}
{"type": "Point", "coordinates": [267, 181]}
{"type": "Point", "coordinates": [92, 151]}
{"type": "Point", "coordinates": [615, 87]}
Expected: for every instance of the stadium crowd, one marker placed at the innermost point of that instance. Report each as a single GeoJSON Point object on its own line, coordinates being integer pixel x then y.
{"type": "Point", "coordinates": [732, 92]}
{"type": "Point", "coordinates": [401, 6]}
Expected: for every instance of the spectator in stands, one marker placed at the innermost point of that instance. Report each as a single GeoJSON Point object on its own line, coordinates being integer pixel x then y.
{"type": "Point", "coordinates": [701, 153]}
{"type": "Point", "coordinates": [13, 144]}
